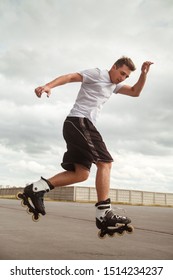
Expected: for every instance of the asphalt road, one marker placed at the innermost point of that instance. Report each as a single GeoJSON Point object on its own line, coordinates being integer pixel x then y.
{"type": "Point", "coordinates": [68, 232]}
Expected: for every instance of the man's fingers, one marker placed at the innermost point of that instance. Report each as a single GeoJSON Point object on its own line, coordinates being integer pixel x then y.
{"type": "Point", "coordinates": [40, 90]}
{"type": "Point", "coordinates": [48, 93]}
{"type": "Point", "coordinates": [146, 66]}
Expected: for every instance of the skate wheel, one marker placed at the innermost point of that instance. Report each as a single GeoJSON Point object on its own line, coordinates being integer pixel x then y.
{"type": "Point", "coordinates": [19, 195]}
{"type": "Point", "coordinates": [101, 235]}
{"type": "Point", "coordinates": [35, 219]}
{"type": "Point", "coordinates": [120, 233]}
{"type": "Point", "coordinates": [23, 204]}
{"type": "Point", "coordinates": [111, 235]}
{"type": "Point", "coordinates": [29, 211]}
{"type": "Point", "coordinates": [130, 229]}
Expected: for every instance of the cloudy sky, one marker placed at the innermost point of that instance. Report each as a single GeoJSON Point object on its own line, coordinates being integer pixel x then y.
{"type": "Point", "coordinates": [43, 39]}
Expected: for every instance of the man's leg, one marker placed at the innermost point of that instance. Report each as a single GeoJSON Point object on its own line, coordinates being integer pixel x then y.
{"type": "Point", "coordinates": [103, 180]}
{"type": "Point", "coordinates": [37, 190]}
{"type": "Point", "coordinates": [104, 214]}
{"type": "Point", "coordinates": [70, 177]}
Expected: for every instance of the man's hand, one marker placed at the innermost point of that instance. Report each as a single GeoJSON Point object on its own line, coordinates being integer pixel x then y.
{"type": "Point", "coordinates": [146, 66]}
{"type": "Point", "coordinates": [40, 90]}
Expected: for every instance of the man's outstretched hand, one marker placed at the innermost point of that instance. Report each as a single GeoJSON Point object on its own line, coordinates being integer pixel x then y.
{"type": "Point", "coordinates": [146, 66]}
{"type": "Point", "coordinates": [40, 90]}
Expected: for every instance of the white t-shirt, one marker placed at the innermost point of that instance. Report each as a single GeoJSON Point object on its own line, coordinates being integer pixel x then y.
{"type": "Point", "coordinates": [95, 90]}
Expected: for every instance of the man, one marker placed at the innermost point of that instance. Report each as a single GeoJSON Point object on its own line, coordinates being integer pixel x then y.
{"type": "Point", "coordinates": [84, 143]}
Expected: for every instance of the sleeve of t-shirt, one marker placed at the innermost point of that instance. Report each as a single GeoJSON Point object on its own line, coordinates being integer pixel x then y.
{"type": "Point", "coordinates": [89, 75]}
{"type": "Point", "coordinates": [118, 87]}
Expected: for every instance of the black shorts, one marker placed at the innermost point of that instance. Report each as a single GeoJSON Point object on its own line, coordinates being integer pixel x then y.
{"type": "Point", "coordinates": [84, 144]}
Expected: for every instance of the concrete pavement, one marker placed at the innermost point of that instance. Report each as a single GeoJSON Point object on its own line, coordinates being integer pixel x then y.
{"type": "Point", "coordinates": [68, 232]}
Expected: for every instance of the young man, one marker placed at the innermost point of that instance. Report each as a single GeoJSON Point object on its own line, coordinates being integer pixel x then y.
{"type": "Point", "coordinates": [84, 143]}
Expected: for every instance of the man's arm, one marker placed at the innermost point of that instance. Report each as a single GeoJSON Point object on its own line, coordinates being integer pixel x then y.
{"type": "Point", "coordinates": [61, 80]}
{"type": "Point", "coordinates": [137, 88]}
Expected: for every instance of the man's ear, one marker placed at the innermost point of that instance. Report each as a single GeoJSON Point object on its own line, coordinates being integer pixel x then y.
{"type": "Point", "coordinates": [114, 67]}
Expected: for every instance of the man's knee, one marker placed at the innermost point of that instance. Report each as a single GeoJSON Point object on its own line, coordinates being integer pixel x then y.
{"type": "Point", "coordinates": [104, 165]}
{"type": "Point", "coordinates": [82, 172]}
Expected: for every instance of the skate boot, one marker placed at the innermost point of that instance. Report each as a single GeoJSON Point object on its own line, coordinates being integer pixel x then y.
{"type": "Point", "coordinates": [35, 193]}
{"type": "Point", "coordinates": [108, 222]}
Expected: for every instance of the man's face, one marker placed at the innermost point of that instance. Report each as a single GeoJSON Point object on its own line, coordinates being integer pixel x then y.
{"type": "Point", "coordinates": [118, 75]}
